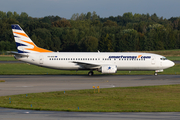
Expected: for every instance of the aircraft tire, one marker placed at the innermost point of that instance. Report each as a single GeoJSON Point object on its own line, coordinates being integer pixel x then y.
{"type": "Point", "coordinates": [90, 73]}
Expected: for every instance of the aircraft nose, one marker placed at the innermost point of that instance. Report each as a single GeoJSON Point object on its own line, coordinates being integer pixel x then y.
{"type": "Point", "coordinates": [168, 64]}
{"type": "Point", "coordinates": [171, 63]}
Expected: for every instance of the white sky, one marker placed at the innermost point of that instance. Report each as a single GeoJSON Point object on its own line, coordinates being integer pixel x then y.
{"type": "Point", "coordinates": [103, 8]}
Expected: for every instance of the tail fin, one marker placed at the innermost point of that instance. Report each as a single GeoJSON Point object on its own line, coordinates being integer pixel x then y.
{"type": "Point", "coordinates": [24, 43]}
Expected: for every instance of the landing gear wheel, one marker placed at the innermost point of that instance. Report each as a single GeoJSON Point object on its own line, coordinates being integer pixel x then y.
{"type": "Point", "coordinates": [91, 73]}
{"type": "Point", "coordinates": [155, 74]}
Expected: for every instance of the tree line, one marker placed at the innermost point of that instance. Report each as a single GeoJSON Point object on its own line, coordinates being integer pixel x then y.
{"type": "Point", "coordinates": [89, 32]}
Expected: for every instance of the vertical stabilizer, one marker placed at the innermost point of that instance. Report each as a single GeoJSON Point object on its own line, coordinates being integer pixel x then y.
{"type": "Point", "coordinates": [23, 42]}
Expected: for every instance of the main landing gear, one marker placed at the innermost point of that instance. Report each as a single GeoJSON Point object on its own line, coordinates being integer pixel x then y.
{"type": "Point", "coordinates": [91, 73]}
{"type": "Point", "coordinates": [155, 74]}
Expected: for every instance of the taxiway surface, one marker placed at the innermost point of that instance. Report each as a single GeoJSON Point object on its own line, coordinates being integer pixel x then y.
{"type": "Point", "coordinates": [22, 84]}
{"type": "Point", "coordinates": [11, 114]}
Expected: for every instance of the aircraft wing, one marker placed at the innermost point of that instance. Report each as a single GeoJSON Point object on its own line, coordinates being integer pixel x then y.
{"type": "Point", "coordinates": [87, 65]}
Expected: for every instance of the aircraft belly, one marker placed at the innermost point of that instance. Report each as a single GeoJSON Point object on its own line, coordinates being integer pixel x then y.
{"type": "Point", "coordinates": [62, 65]}
{"type": "Point", "coordinates": [137, 66]}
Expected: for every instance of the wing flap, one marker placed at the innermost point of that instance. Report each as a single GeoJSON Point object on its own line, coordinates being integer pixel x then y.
{"type": "Point", "coordinates": [87, 65]}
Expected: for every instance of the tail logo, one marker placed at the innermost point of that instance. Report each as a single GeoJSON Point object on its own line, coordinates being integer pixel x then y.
{"type": "Point", "coordinates": [24, 43]}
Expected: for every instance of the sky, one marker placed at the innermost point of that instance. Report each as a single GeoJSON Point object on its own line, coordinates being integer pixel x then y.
{"type": "Point", "coordinates": [103, 8]}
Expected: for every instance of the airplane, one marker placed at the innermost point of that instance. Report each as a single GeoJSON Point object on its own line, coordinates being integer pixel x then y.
{"type": "Point", "coordinates": [104, 62]}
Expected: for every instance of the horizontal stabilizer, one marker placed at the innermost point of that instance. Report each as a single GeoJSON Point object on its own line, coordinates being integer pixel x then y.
{"type": "Point", "coordinates": [18, 54]}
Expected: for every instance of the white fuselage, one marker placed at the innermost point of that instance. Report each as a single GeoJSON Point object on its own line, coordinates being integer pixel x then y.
{"type": "Point", "coordinates": [76, 60]}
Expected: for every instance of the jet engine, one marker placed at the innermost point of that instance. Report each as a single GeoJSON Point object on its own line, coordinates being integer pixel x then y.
{"type": "Point", "coordinates": [108, 69]}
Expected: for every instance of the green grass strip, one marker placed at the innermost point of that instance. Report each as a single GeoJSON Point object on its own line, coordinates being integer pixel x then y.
{"type": "Point", "coordinates": [173, 58]}
{"type": "Point", "coordinates": [130, 99]}
{"type": "Point", "coordinates": [7, 58]}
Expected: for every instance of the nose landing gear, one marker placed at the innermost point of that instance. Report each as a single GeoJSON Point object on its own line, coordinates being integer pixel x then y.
{"type": "Point", "coordinates": [155, 74]}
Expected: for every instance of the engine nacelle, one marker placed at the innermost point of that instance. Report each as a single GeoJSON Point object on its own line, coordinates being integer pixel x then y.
{"type": "Point", "coordinates": [108, 69]}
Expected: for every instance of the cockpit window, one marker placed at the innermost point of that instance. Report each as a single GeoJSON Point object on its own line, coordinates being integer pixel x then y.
{"type": "Point", "coordinates": [163, 58]}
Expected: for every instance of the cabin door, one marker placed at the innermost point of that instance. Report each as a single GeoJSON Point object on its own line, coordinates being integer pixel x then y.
{"type": "Point", "coordinates": [153, 60]}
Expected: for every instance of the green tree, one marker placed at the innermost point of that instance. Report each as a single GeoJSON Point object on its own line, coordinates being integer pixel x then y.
{"type": "Point", "coordinates": [9, 14]}
{"type": "Point", "coordinates": [88, 44]}
{"type": "Point", "coordinates": [109, 23]}
{"type": "Point", "coordinates": [61, 23]}
{"type": "Point", "coordinates": [2, 15]}
{"type": "Point", "coordinates": [43, 38]}
{"type": "Point", "coordinates": [88, 16]}
{"type": "Point", "coordinates": [94, 16]}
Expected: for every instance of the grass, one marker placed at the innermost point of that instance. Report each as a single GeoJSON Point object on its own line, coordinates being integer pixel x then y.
{"type": "Point", "coordinates": [173, 58]}
{"type": "Point", "coordinates": [2, 80]}
{"type": "Point", "coordinates": [129, 99]}
{"type": "Point", "coordinates": [7, 58]}
{"type": "Point", "coordinates": [26, 69]}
